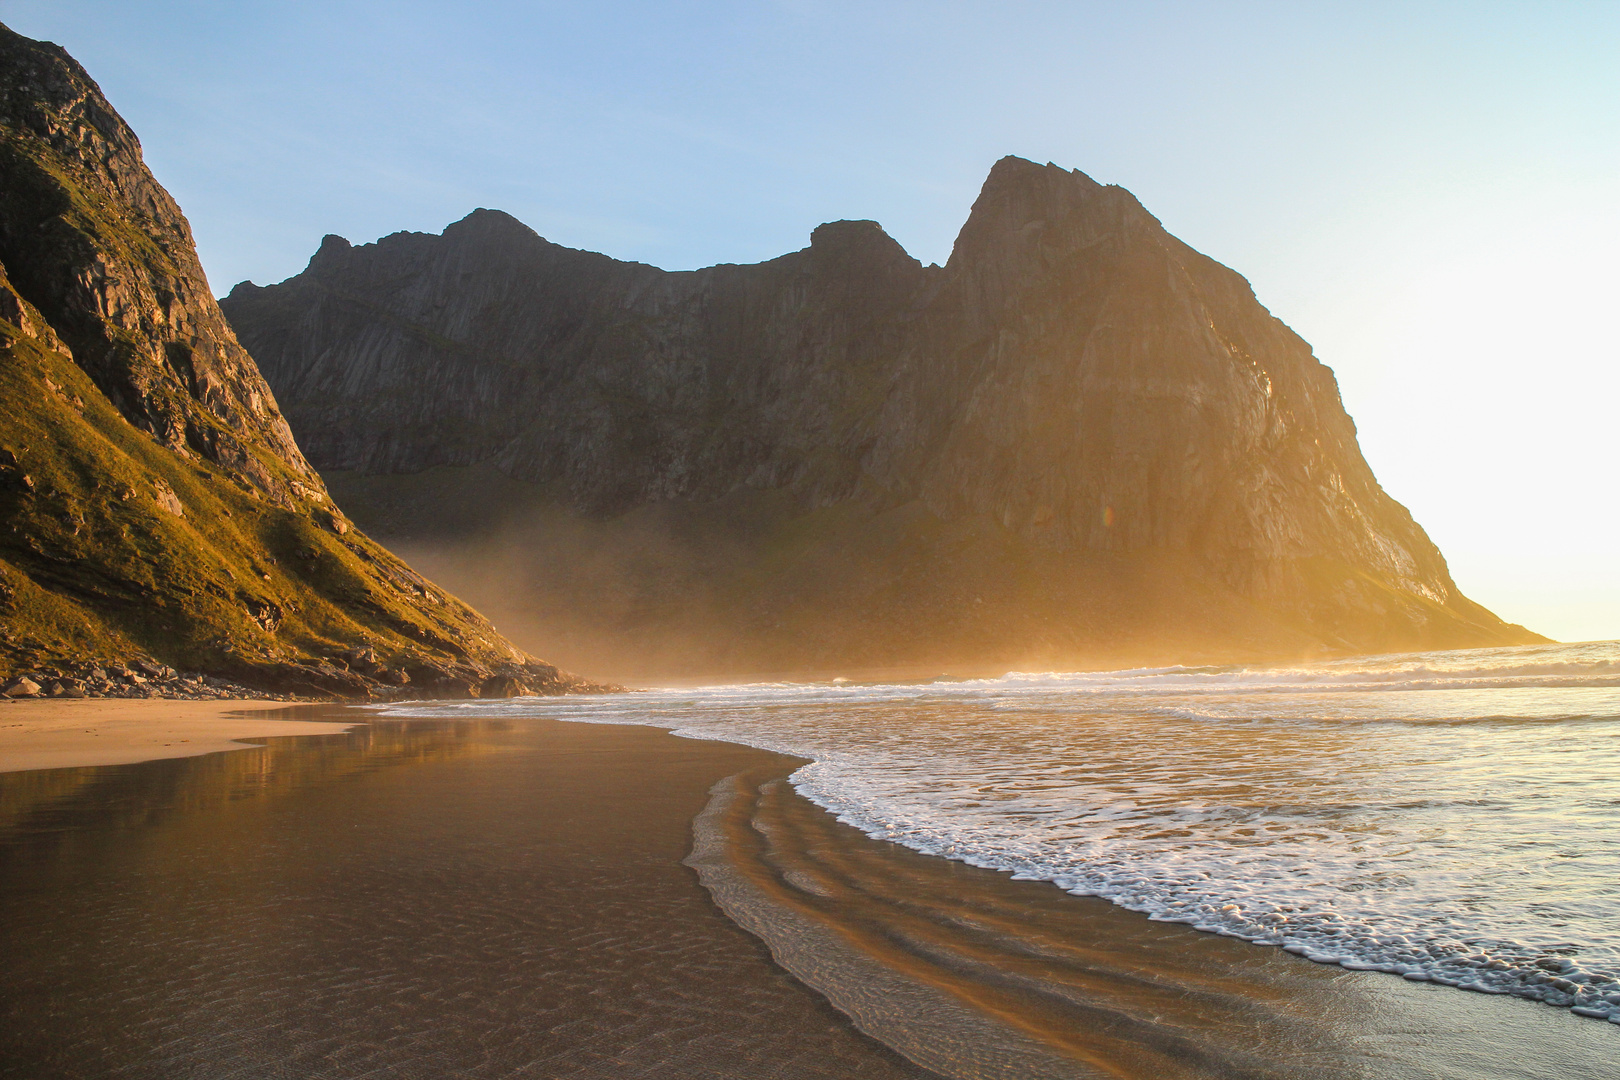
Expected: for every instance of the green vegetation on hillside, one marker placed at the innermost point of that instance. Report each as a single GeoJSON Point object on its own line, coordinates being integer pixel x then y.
{"type": "Point", "coordinates": [114, 546]}
{"type": "Point", "coordinates": [152, 501]}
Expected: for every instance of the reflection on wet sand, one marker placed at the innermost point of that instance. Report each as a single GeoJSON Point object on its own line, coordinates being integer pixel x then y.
{"type": "Point", "coordinates": [423, 900]}
{"type": "Point", "coordinates": [42, 803]}
{"type": "Point", "coordinates": [505, 898]}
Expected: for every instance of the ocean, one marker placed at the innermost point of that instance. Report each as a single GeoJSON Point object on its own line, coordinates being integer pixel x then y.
{"type": "Point", "coordinates": [1449, 817]}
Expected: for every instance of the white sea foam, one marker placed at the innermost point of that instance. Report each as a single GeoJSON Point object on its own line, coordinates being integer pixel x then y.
{"type": "Point", "coordinates": [1449, 817]}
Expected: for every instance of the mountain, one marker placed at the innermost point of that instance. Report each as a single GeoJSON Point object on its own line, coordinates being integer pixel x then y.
{"type": "Point", "coordinates": [1078, 441]}
{"type": "Point", "coordinates": [156, 505]}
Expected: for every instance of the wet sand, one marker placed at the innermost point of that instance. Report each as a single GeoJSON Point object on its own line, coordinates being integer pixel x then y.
{"type": "Point", "coordinates": [70, 733]}
{"type": "Point", "coordinates": [507, 899]}
{"type": "Point", "coordinates": [974, 974]}
{"type": "Point", "coordinates": [416, 900]}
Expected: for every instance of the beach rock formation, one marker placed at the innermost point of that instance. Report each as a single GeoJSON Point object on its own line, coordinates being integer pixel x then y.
{"type": "Point", "coordinates": [1078, 439]}
{"type": "Point", "coordinates": [156, 508]}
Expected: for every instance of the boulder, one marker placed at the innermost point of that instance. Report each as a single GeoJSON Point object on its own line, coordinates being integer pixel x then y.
{"type": "Point", "coordinates": [502, 686]}
{"type": "Point", "coordinates": [23, 687]}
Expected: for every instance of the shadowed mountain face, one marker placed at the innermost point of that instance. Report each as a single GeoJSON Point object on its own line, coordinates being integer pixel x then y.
{"type": "Point", "coordinates": [156, 501]}
{"type": "Point", "coordinates": [1080, 439]}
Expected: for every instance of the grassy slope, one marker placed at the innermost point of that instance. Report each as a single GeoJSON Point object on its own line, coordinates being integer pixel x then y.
{"type": "Point", "coordinates": [94, 565]}
{"type": "Point", "coordinates": [151, 496]}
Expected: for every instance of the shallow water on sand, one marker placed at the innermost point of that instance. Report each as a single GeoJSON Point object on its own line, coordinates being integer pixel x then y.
{"type": "Point", "coordinates": [1449, 817]}
{"type": "Point", "coordinates": [477, 900]}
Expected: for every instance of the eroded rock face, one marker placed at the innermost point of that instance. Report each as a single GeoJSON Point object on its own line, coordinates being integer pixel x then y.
{"type": "Point", "coordinates": [619, 381]}
{"type": "Point", "coordinates": [1090, 380]}
{"type": "Point", "coordinates": [154, 498]}
{"type": "Point", "coordinates": [101, 249]}
{"type": "Point", "coordinates": [1074, 374]}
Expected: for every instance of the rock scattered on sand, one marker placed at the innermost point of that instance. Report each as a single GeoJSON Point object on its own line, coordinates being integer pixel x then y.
{"type": "Point", "coordinates": [140, 679]}
{"type": "Point", "coordinates": [23, 687]}
{"type": "Point", "coordinates": [354, 675]}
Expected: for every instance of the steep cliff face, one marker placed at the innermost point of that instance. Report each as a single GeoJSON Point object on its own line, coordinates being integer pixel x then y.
{"type": "Point", "coordinates": [1091, 381]}
{"type": "Point", "coordinates": [1076, 388]}
{"type": "Point", "coordinates": [618, 382]}
{"type": "Point", "coordinates": [154, 498]}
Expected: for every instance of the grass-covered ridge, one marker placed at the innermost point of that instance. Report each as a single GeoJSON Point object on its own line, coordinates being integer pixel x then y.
{"type": "Point", "coordinates": [116, 546]}
{"type": "Point", "coordinates": [153, 501]}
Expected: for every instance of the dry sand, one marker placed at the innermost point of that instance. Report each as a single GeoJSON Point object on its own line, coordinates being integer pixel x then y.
{"type": "Point", "coordinates": [61, 734]}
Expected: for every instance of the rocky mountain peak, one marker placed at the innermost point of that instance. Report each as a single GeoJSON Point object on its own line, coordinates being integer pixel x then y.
{"type": "Point", "coordinates": [92, 242]}
{"type": "Point", "coordinates": [45, 92]}
{"type": "Point", "coordinates": [1075, 381]}
{"type": "Point", "coordinates": [861, 253]}
{"type": "Point", "coordinates": [1013, 177]}
{"type": "Point", "coordinates": [1029, 213]}
{"type": "Point", "coordinates": [490, 226]}
{"type": "Point", "coordinates": [852, 236]}
{"type": "Point", "coordinates": [332, 251]}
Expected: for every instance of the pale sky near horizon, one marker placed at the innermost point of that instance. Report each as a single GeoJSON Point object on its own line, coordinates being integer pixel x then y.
{"type": "Point", "coordinates": [1428, 193]}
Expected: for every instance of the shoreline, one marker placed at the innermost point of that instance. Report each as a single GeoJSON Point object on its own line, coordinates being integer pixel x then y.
{"type": "Point", "coordinates": [869, 958]}
{"type": "Point", "coordinates": [64, 733]}
{"type": "Point", "coordinates": [471, 898]}
{"type": "Point", "coordinates": [970, 972]}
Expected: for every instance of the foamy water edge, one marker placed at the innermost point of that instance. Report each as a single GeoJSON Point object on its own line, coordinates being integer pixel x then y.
{"type": "Point", "coordinates": [834, 781]}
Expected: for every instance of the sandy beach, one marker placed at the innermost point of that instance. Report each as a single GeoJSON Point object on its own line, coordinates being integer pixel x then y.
{"type": "Point", "coordinates": [423, 900]}
{"type": "Point", "coordinates": [507, 898]}
{"type": "Point", "coordinates": [73, 733]}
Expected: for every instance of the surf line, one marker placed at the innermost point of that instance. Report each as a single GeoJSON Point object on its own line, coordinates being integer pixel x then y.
{"type": "Point", "coordinates": [945, 964]}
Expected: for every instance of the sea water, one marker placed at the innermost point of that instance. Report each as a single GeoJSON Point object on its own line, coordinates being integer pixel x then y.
{"type": "Point", "coordinates": [1451, 817]}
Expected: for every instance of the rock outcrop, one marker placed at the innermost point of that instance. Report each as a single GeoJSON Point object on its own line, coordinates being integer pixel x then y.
{"type": "Point", "coordinates": [1106, 415]}
{"type": "Point", "coordinates": [156, 507]}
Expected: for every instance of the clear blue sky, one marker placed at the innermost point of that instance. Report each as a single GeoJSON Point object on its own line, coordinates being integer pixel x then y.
{"type": "Point", "coordinates": [1429, 193]}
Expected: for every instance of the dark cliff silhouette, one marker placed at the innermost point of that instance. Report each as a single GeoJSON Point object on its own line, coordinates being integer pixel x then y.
{"type": "Point", "coordinates": [1078, 440]}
